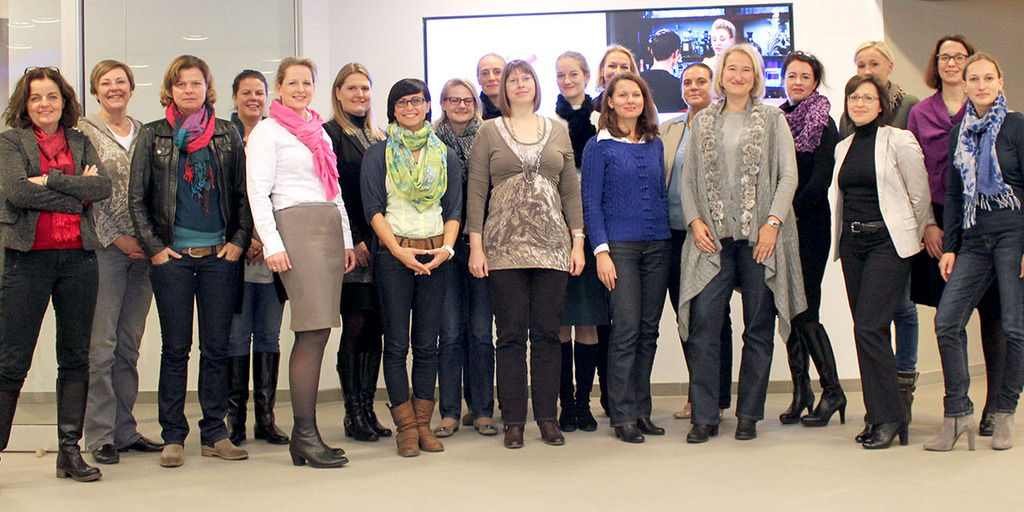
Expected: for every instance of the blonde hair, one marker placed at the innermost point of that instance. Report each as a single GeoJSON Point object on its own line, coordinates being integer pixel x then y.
{"type": "Point", "coordinates": [106, 66]}
{"type": "Point", "coordinates": [757, 91]}
{"type": "Point", "coordinates": [455, 82]}
{"type": "Point", "coordinates": [353, 68]}
{"type": "Point", "coordinates": [604, 58]}
{"type": "Point", "coordinates": [288, 62]}
{"type": "Point", "coordinates": [880, 46]}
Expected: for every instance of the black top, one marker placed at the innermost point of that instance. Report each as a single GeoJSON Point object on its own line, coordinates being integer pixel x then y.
{"type": "Point", "coordinates": [857, 178]}
{"type": "Point", "coordinates": [350, 156]}
{"type": "Point", "coordinates": [815, 173]}
{"type": "Point", "coordinates": [1010, 153]}
{"type": "Point", "coordinates": [666, 90]}
{"type": "Point", "coordinates": [490, 109]}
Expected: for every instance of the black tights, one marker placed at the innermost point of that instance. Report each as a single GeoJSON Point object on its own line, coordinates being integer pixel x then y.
{"type": "Point", "coordinates": [304, 370]}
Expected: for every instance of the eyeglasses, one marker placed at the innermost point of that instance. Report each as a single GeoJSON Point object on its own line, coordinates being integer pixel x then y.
{"type": "Point", "coordinates": [454, 102]}
{"type": "Point", "coordinates": [525, 79]}
{"type": "Point", "coordinates": [54, 69]}
{"type": "Point", "coordinates": [867, 98]}
{"type": "Point", "coordinates": [958, 58]}
{"type": "Point", "coordinates": [402, 103]}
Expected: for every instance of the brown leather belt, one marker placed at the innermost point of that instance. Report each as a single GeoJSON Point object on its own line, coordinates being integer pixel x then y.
{"type": "Point", "coordinates": [422, 243]}
{"type": "Point", "coordinates": [202, 252]}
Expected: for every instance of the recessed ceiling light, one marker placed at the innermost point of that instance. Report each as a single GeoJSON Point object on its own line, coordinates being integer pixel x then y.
{"type": "Point", "coordinates": [143, 84]}
{"type": "Point", "coordinates": [20, 24]}
{"type": "Point", "coordinates": [269, 73]}
{"type": "Point", "coordinates": [272, 60]}
{"type": "Point", "coordinates": [46, 19]}
{"type": "Point", "coordinates": [138, 66]}
{"type": "Point", "coordinates": [194, 37]}
{"type": "Point", "coordinates": [19, 46]}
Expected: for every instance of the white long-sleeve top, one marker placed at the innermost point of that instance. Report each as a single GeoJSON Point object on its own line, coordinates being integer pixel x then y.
{"type": "Point", "coordinates": [279, 173]}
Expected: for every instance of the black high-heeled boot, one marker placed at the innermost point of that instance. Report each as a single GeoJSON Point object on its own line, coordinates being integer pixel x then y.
{"type": "Point", "coordinates": [865, 434]}
{"type": "Point", "coordinates": [832, 397]}
{"type": "Point", "coordinates": [238, 396]}
{"type": "Point", "coordinates": [349, 368]}
{"type": "Point", "coordinates": [884, 434]}
{"type": "Point", "coordinates": [567, 416]}
{"type": "Point", "coordinates": [71, 399]}
{"type": "Point", "coordinates": [307, 446]}
{"type": "Point", "coordinates": [907, 385]}
{"type": "Point", "coordinates": [264, 395]}
{"type": "Point", "coordinates": [586, 357]}
{"type": "Point", "coordinates": [369, 370]}
{"type": "Point", "coordinates": [803, 397]}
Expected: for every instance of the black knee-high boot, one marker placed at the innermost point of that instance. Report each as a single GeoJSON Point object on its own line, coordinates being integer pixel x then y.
{"type": "Point", "coordinates": [832, 397]}
{"type": "Point", "coordinates": [803, 397]}
{"type": "Point", "coordinates": [586, 365]}
{"type": "Point", "coordinates": [71, 399]}
{"type": "Point", "coordinates": [370, 372]}
{"type": "Point", "coordinates": [265, 367]}
{"type": "Point", "coordinates": [238, 396]}
{"type": "Point", "coordinates": [567, 417]}
{"type": "Point", "coordinates": [349, 369]}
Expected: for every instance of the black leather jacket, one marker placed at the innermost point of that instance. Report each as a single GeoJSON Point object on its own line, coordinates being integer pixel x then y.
{"type": "Point", "coordinates": [153, 186]}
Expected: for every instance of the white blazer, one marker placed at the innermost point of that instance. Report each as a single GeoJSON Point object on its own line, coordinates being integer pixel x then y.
{"type": "Point", "coordinates": [903, 194]}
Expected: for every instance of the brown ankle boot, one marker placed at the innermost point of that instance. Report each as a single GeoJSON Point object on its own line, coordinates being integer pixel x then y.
{"type": "Point", "coordinates": [424, 411]}
{"type": "Point", "coordinates": [408, 438]}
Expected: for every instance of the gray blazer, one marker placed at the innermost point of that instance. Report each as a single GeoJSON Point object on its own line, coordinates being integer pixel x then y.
{"type": "Point", "coordinates": [903, 194]}
{"type": "Point", "coordinates": [19, 153]}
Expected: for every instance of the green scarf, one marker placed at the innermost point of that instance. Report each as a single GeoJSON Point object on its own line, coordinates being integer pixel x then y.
{"type": "Point", "coordinates": [421, 183]}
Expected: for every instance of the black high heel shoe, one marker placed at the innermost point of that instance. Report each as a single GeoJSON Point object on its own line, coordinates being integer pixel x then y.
{"type": "Point", "coordinates": [865, 434]}
{"type": "Point", "coordinates": [827, 406]}
{"type": "Point", "coordinates": [885, 433]}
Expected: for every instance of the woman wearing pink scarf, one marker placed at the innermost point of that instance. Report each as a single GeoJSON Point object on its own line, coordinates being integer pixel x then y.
{"type": "Point", "coordinates": [292, 178]}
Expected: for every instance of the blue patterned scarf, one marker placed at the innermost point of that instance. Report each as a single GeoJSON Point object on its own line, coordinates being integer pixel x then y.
{"type": "Point", "coordinates": [975, 159]}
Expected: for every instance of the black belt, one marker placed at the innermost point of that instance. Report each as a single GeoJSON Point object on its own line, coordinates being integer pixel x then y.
{"type": "Point", "coordinates": [866, 227]}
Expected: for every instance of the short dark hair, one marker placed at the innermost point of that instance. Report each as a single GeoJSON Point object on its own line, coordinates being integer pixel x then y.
{"type": "Point", "coordinates": [883, 98]}
{"type": "Point", "coordinates": [817, 69]}
{"type": "Point", "coordinates": [405, 87]}
{"type": "Point", "coordinates": [646, 125]}
{"type": "Point", "coordinates": [16, 115]}
{"type": "Point", "coordinates": [246, 74]}
{"type": "Point", "coordinates": [931, 72]}
{"type": "Point", "coordinates": [663, 44]}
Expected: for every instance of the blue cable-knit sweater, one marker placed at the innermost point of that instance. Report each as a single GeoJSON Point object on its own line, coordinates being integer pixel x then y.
{"type": "Point", "coordinates": [624, 193]}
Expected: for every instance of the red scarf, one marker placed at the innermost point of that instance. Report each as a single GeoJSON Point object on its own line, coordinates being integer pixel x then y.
{"type": "Point", "coordinates": [56, 230]}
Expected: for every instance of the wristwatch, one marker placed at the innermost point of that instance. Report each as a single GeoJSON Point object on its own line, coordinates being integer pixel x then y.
{"type": "Point", "coordinates": [451, 252]}
{"type": "Point", "coordinates": [774, 223]}
{"type": "Point", "coordinates": [578, 235]}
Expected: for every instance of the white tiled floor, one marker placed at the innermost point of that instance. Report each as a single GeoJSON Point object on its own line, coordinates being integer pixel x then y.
{"type": "Point", "coordinates": [789, 468]}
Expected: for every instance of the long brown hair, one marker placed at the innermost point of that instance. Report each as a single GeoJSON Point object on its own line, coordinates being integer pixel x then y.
{"type": "Point", "coordinates": [646, 124]}
{"type": "Point", "coordinates": [16, 115]}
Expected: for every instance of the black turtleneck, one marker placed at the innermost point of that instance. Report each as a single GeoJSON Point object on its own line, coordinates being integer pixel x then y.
{"type": "Point", "coordinates": [857, 178]}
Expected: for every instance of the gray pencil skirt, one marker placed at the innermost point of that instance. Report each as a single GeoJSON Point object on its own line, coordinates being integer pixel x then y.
{"type": "Point", "coordinates": [314, 239]}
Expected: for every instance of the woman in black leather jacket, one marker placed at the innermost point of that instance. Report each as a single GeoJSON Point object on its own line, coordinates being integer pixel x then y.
{"type": "Point", "coordinates": [188, 203]}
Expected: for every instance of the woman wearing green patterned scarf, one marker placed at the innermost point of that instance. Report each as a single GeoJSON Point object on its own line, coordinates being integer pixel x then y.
{"type": "Point", "coordinates": [412, 195]}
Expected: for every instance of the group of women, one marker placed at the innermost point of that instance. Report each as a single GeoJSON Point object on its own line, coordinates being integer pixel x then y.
{"type": "Point", "coordinates": [168, 209]}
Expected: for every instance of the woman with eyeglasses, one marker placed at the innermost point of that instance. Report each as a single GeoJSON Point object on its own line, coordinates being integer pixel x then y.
{"type": "Point", "coordinates": [412, 196]}
{"type": "Point", "coordinates": [527, 238]}
{"type": "Point", "coordinates": [466, 348]}
{"type": "Point", "coordinates": [882, 208]}
{"type": "Point", "coordinates": [51, 177]}
{"type": "Point", "coordinates": [931, 121]}
{"type": "Point", "coordinates": [983, 244]}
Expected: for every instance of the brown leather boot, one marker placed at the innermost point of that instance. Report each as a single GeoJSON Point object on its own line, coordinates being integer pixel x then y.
{"type": "Point", "coordinates": [424, 411]}
{"type": "Point", "coordinates": [408, 438]}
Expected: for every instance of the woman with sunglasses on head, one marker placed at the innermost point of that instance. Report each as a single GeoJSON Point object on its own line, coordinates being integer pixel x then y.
{"type": "Point", "coordinates": [983, 244]}
{"type": "Point", "coordinates": [882, 208]}
{"type": "Point", "coordinates": [931, 121]}
{"type": "Point", "coordinates": [520, 239]}
{"type": "Point", "coordinates": [51, 177]}
{"type": "Point", "coordinates": [412, 196]}
{"type": "Point", "coordinates": [815, 137]}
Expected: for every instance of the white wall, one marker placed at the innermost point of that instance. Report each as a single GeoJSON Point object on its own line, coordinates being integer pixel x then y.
{"type": "Point", "coordinates": [389, 41]}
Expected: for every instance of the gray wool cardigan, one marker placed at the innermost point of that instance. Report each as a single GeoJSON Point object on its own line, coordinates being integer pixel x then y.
{"type": "Point", "coordinates": [783, 273]}
{"type": "Point", "coordinates": [19, 154]}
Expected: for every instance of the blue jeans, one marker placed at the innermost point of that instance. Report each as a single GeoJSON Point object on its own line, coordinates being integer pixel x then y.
{"type": "Point", "coordinates": [982, 259]}
{"type": "Point", "coordinates": [906, 326]}
{"type": "Point", "coordinates": [466, 348]}
{"type": "Point", "coordinates": [210, 283]}
{"type": "Point", "coordinates": [637, 302]}
{"type": "Point", "coordinates": [258, 322]}
{"type": "Point", "coordinates": [707, 314]}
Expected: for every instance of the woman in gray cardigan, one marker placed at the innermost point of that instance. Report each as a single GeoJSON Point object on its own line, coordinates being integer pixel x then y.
{"type": "Point", "coordinates": [51, 176]}
{"type": "Point", "coordinates": [739, 178]}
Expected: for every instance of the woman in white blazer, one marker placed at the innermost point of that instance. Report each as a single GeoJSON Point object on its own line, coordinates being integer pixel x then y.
{"type": "Point", "coordinates": [882, 207]}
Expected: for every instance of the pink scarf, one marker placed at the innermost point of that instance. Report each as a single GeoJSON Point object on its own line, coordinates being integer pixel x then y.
{"type": "Point", "coordinates": [311, 133]}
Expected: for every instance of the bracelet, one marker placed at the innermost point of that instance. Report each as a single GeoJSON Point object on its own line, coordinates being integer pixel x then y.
{"type": "Point", "coordinates": [451, 252]}
{"type": "Point", "coordinates": [579, 235]}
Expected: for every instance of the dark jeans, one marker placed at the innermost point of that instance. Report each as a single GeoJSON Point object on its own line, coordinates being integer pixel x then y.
{"type": "Point", "coordinates": [30, 279]}
{"type": "Point", "coordinates": [707, 313]}
{"type": "Point", "coordinates": [258, 323]}
{"type": "Point", "coordinates": [466, 348]}
{"type": "Point", "coordinates": [528, 304]}
{"type": "Point", "coordinates": [875, 279]}
{"type": "Point", "coordinates": [636, 304]}
{"type": "Point", "coordinates": [211, 285]}
{"type": "Point", "coordinates": [401, 293]}
{"type": "Point", "coordinates": [725, 337]}
{"type": "Point", "coordinates": [982, 259]}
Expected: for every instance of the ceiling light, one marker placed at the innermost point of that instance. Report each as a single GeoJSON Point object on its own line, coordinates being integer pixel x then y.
{"type": "Point", "coordinates": [20, 24]}
{"type": "Point", "coordinates": [46, 19]}
{"type": "Point", "coordinates": [138, 66]}
{"type": "Point", "coordinates": [194, 37]}
{"type": "Point", "coordinates": [19, 46]}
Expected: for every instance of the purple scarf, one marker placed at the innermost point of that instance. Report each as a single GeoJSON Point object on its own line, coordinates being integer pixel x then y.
{"type": "Point", "coordinates": [808, 120]}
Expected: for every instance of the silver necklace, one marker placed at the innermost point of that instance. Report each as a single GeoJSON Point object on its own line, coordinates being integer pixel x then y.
{"type": "Point", "coordinates": [521, 153]}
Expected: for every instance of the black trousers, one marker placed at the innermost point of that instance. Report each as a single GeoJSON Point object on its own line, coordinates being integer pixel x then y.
{"type": "Point", "coordinates": [875, 278]}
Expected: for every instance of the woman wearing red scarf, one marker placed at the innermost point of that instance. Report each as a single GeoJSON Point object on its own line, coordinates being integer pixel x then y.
{"type": "Point", "coordinates": [50, 179]}
{"type": "Point", "coordinates": [300, 217]}
{"type": "Point", "coordinates": [187, 203]}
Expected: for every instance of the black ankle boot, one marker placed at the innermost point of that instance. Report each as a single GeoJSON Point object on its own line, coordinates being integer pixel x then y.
{"type": "Point", "coordinates": [71, 399]}
{"type": "Point", "coordinates": [908, 384]}
{"type": "Point", "coordinates": [308, 447]}
{"type": "Point", "coordinates": [567, 421]}
{"type": "Point", "coordinates": [238, 396]}
{"type": "Point", "coordinates": [586, 358]}
{"type": "Point", "coordinates": [264, 394]}
{"type": "Point", "coordinates": [803, 397]}
{"type": "Point", "coordinates": [884, 433]}
{"type": "Point", "coordinates": [369, 370]}
{"type": "Point", "coordinates": [865, 435]}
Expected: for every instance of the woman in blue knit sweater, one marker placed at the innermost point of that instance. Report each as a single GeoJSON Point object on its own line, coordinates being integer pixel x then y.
{"type": "Point", "coordinates": [625, 208]}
